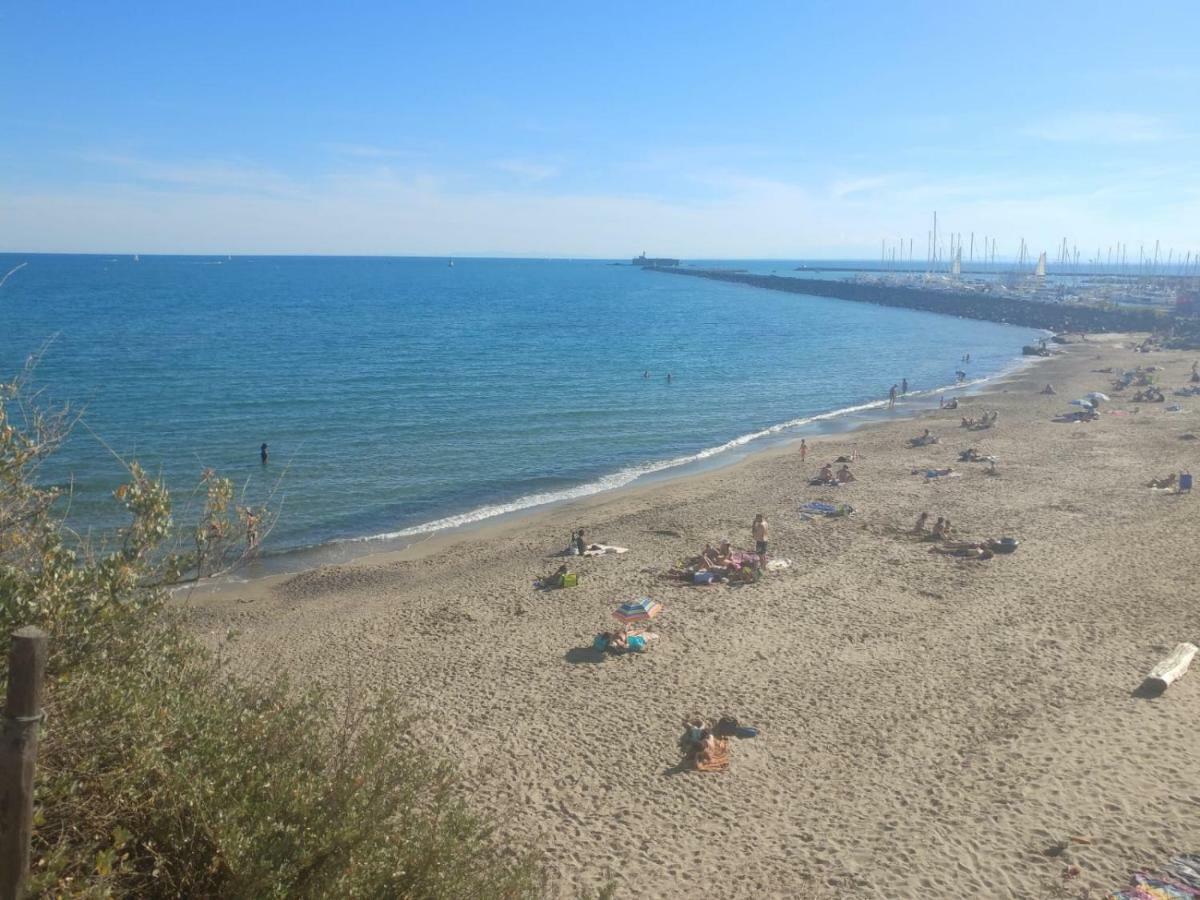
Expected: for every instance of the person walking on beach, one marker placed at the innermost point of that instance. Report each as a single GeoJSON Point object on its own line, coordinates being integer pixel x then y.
{"type": "Point", "coordinates": [892, 397]}
{"type": "Point", "coordinates": [759, 530]}
{"type": "Point", "coordinates": [803, 450]}
{"type": "Point", "coordinates": [263, 454]}
{"type": "Point", "coordinates": [903, 386]}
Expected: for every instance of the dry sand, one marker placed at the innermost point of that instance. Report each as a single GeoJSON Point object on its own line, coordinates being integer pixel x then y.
{"type": "Point", "coordinates": [929, 727]}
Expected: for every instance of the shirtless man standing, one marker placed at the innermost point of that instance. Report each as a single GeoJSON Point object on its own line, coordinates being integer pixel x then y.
{"type": "Point", "coordinates": [759, 530]}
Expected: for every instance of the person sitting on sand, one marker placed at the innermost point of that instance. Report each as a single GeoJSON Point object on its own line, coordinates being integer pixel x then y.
{"type": "Point", "coordinates": [919, 528]}
{"type": "Point", "coordinates": [844, 475]}
{"type": "Point", "coordinates": [709, 558]}
{"type": "Point", "coordinates": [825, 476]}
{"type": "Point", "coordinates": [947, 529]}
{"type": "Point", "coordinates": [967, 423]}
{"type": "Point", "coordinates": [553, 581]}
{"type": "Point", "coordinates": [939, 529]}
{"type": "Point", "coordinates": [724, 552]}
{"type": "Point", "coordinates": [1049, 389]}
{"type": "Point", "coordinates": [969, 455]}
{"type": "Point", "coordinates": [924, 439]}
{"type": "Point", "coordinates": [702, 750]}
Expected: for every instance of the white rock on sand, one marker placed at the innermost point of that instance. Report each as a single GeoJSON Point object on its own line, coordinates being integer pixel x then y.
{"type": "Point", "coordinates": [930, 727]}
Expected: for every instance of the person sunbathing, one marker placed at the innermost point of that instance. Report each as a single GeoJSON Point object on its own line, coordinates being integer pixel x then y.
{"type": "Point", "coordinates": [967, 423]}
{"type": "Point", "coordinates": [625, 642]}
{"type": "Point", "coordinates": [1168, 482]}
{"type": "Point", "coordinates": [952, 403]}
{"type": "Point", "coordinates": [919, 528]}
{"type": "Point", "coordinates": [844, 475]}
{"type": "Point", "coordinates": [969, 455]}
{"type": "Point", "coordinates": [972, 551]}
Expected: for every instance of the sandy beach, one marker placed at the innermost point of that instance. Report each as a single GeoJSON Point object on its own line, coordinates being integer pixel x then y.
{"type": "Point", "coordinates": [929, 727]}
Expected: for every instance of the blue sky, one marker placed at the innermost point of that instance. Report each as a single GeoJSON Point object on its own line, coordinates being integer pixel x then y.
{"type": "Point", "coordinates": [776, 130]}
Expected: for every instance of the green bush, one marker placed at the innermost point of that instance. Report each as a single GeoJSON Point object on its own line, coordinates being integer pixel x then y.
{"type": "Point", "coordinates": [163, 775]}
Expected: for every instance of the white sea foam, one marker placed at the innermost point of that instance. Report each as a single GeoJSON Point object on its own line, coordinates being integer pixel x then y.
{"type": "Point", "coordinates": [631, 474]}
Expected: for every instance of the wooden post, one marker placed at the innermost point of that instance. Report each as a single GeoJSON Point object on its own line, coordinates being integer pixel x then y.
{"type": "Point", "coordinates": [18, 756]}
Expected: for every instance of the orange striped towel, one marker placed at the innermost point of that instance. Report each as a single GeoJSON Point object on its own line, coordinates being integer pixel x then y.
{"type": "Point", "coordinates": [716, 761]}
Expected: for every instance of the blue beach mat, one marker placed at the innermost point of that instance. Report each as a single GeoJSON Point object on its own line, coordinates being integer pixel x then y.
{"type": "Point", "coordinates": [821, 508]}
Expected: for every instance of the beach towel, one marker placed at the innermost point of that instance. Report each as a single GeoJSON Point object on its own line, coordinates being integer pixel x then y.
{"type": "Point", "coordinates": [1152, 887]}
{"type": "Point", "coordinates": [603, 549]}
{"type": "Point", "coordinates": [776, 565]}
{"type": "Point", "coordinates": [1186, 869]}
{"type": "Point", "coordinates": [718, 760]}
{"type": "Point", "coordinates": [821, 508]}
{"type": "Point", "coordinates": [931, 474]}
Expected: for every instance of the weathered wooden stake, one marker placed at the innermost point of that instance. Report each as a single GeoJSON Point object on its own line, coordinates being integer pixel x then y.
{"type": "Point", "coordinates": [18, 756]}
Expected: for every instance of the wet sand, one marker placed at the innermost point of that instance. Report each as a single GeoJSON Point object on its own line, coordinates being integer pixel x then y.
{"type": "Point", "coordinates": [929, 727]}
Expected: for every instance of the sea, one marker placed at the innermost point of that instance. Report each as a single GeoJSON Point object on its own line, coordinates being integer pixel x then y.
{"type": "Point", "coordinates": [403, 396]}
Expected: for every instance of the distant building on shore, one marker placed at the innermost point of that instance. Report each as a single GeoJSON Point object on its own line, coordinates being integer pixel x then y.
{"type": "Point", "coordinates": [653, 262]}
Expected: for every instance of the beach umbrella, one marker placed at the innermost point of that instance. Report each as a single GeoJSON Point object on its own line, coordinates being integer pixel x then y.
{"type": "Point", "coordinates": [1096, 395]}
{"type": "Point", "coordinates": [1085, 403]}
{"type": "Point", "coordinates": [637, 610]}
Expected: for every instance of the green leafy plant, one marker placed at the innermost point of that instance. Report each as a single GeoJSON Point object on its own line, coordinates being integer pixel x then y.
{"type": "Point", "coordinates": [162, 774]}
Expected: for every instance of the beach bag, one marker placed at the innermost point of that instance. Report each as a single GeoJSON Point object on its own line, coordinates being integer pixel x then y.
{"type": "Point", "coordinates": [1185, 482]}
{"type": "Point", "coordinates": [570, 580]}
{"type": "Point", "coordinates": [636, 642]}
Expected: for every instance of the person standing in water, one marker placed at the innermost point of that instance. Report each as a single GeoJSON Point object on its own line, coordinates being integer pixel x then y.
{"type": "Point", "coordinates": [668, 378]}
{"type": "Point", "coordinates": [646, 374]}
{"type": "Point", "coordinates": [892, 397]}
{"type": "Point", "coordinates": [903, 386]}
{"type": "Point", "coordinates": [263, 454]}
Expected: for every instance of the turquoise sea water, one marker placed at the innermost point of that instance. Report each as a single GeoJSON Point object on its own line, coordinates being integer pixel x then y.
{"type": "Point", "coordinates": [400, 393]}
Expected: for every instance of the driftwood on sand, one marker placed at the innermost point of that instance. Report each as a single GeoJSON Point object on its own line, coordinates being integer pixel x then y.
{"type": "Point", "coordinates": [1173, 667]}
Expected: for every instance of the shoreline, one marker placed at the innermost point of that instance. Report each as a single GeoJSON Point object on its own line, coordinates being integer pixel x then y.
{"type": "Point", "coordinates": [772, 438]}
{"type": "Point", "coordinates": [928, 727]}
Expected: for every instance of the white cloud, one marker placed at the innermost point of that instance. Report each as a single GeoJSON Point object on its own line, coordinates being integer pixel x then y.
{"type": "Point", "coordinates": [218, 174]}
{"type": "Point", "coordinates": [1100, 128]}
{"type": "Point", "coordinates": [527, 169]}
{"type": "Point", "coordinates": [374, 208]}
